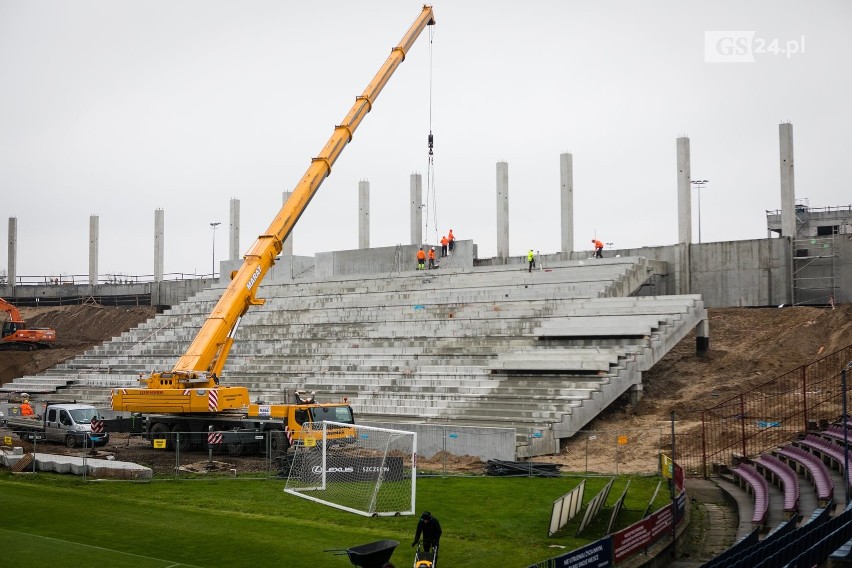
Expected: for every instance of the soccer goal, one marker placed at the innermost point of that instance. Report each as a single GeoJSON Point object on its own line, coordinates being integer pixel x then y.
{"type": "Point", "coordinates": [362, 469]}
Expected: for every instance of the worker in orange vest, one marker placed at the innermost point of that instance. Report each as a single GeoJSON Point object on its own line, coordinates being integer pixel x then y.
{"type": "Point", "coordinates": [444, 243]}
{"type": "Point", "coordinates": [451, 240]}
{"type": "Point", "coordinates": [431, 258]}
{"type": "Point", "coordinates": [598, 248]}
{"type": "Point", "coordinates": [26, 409]}
{"type": "Point", "coordinates": [421, 259]}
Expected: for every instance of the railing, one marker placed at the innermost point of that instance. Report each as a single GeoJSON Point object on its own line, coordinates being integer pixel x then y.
{"type": "Point", "coordinates": [804, 208]}
{"type": "Point", "coordinates": [83, 279]}
{"type": "Point", "coordinates": [766, 416]}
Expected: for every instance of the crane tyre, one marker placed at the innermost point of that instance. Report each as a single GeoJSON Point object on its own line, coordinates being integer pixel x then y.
{"type": "Point", "coordinates": [160, 431]}
{"type": "Point", "coordinates": [278, 442]}
{"type": "Point", "coordinates": [235, 449]}
{"type": "Point", "coordinates": [181, 438]}
{"type": "Point", "coordinates": [70, 441]}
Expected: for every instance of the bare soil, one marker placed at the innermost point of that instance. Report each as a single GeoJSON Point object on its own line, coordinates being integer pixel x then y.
{"type": "Point", "coordinates": [78, 328]}
{"type": "Point", "coordinates": [748, 346]}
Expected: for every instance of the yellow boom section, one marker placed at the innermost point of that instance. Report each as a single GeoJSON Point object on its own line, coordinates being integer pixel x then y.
{"type": "Point", "coordinates": [204, 359]}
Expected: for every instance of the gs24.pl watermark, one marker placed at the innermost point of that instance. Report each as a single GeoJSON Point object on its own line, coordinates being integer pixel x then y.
{"type": "Point", "coordinates": [743, 46]}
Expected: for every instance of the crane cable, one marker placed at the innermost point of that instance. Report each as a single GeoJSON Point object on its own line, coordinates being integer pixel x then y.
{"type": "Point", "coordinates": [431, 197]}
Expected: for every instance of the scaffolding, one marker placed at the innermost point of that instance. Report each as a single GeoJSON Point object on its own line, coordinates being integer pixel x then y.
{"type": "Point", "coordinates": [815, 250]}
{"type": "Point", "coordinates": [815, 270]}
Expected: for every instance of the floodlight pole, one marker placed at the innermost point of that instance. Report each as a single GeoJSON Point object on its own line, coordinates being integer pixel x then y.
{"type": "Point", "coordinates": [699, 184]}
{"type": "Point", "coordinates": [213, 226]}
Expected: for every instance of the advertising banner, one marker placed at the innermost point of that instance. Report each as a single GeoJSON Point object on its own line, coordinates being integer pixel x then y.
{"type": "Point", "coordinates": [342, 468]}
{"type": "Point", "coordinates": [646, 532]}
{"type": "Point", "coordinates": [595, 555]}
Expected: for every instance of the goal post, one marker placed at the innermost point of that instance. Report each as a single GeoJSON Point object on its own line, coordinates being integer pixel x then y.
{"type": "Point", "coordinates": [362, 469]}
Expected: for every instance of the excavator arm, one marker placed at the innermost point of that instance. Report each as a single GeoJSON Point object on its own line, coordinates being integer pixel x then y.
{"type": "Point", "coordinates": [202, 363]}
{"type": "Point", "coordinates": [11, 310]}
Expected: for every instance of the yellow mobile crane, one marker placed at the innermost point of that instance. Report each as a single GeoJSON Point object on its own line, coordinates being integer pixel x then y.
{"type": "Point", "coordinates": [190, 395]}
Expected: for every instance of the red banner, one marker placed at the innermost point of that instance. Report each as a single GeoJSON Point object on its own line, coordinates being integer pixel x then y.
{"type": "Point", "coordinates": [641, 535]}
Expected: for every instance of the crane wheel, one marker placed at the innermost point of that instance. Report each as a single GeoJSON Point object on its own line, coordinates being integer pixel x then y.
{"type": "Point", "coordinates": [181, 438]}
{"type": "Point", "coordinates": [160, 431]}
{"type": "Point", "coordinates": [278, 442]}
{"type": "Point", "coordinates": [70, 442]}
{"type": "Point", "coordinates": [235, 449]}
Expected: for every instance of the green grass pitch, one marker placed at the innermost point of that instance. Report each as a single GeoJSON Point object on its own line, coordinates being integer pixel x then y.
{"type": "Point", "coordinates": [63, 521]}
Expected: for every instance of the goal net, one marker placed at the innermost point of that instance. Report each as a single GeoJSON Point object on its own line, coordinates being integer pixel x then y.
{"type": "Point", "coordinates": [362, 469]}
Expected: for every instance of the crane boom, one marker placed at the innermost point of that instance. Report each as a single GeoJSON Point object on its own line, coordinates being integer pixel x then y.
{"type": "Point", "coordinates": [202, 363]}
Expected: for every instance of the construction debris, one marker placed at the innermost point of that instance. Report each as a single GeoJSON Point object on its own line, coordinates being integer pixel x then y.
{"type": "Point", "coordinates": [527, 468]}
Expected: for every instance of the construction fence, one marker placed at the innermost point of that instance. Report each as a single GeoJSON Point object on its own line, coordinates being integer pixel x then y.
{"type": "Point", "coordinates": [630, 450]}
{"type": "Point", "coordinates": [133, 457]}
{"type": "Point", "coordinates": [771, 414]}
{"type": "Point", "coordinates": [442, 451]}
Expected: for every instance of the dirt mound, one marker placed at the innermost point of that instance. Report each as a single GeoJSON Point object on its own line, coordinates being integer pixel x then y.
{"type": "Point", "coordinates": [748, 346]}
{"type": "Point", "coordinates": [78, 328]}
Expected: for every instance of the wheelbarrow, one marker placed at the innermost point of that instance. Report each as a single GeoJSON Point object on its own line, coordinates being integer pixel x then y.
{"type": "Point", "coordinates": [423, 559]}
{"type": "Point", "coordinates": [371, 555]}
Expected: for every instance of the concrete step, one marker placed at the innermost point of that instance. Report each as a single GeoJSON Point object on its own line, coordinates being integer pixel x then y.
{"type": "Point", "coordinates": [541, 351]}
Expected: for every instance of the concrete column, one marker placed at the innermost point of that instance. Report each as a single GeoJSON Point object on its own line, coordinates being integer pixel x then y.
{"type": "Point", "coordinates": [159, 239]}
{"type": "Point", "coordinates": [684, 193]}
{"type": "Point", "coordinates": [566, 193]}
{"type": "Point", "coordinates": [416, 205]}
{"type": "Point", "coordinates": [788, 185]}
{"type": "Point", "coordinates": [634, 394]}
{"type": "Point", "coordinates": [503, 210]}
{"type": "Point", "coordinates": [702, 338]}
{"type": "Point", "coordinates": [93, 250]}
{"type": "Point", "coordinates": [288, 242]}
{"type": "Point", "coordinates": [234, 230]}
{"type": "Point", "coordinates": [12, 268]}
{"type": "Point", "coordinates": [363, 214]}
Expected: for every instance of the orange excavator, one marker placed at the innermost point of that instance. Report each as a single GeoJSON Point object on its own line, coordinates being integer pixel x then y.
{"type": "Point", "coordinates": [16, 334]}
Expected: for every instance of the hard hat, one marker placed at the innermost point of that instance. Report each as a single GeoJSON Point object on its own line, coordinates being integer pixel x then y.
{"type": "Point", "coordinates": [433, 248]}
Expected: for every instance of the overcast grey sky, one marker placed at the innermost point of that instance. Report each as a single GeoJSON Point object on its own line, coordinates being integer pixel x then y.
{"type": "Point", "coordinates": [117, 108]}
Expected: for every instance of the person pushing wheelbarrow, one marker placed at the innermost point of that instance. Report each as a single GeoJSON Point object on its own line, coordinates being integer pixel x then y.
{"type": "Point", "coordinates": [430, 528]}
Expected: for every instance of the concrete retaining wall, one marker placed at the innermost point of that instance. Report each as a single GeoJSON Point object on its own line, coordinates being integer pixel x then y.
{"type": "Point", "coordinates": [167, 293]}
{"type": "Point", "coordinates": [754, 272]}
{"type": "Point", "coordinates": [400, 258]}
{"type": "Point", "coordinates": [727, 274]}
